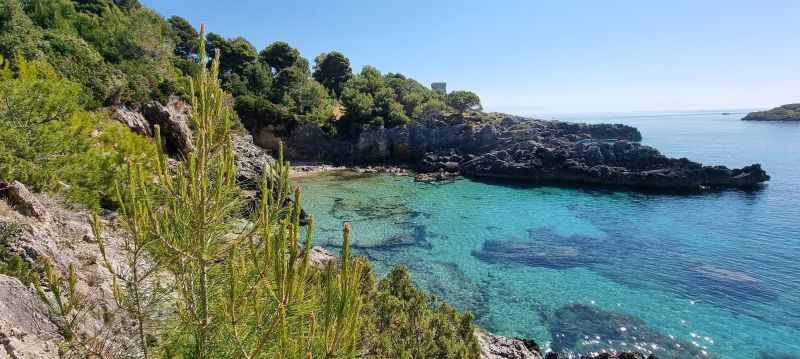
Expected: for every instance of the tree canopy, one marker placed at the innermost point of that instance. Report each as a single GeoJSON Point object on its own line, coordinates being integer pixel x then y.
{"type": "Point", "coordinates": [463, 100]}
{"type": "Point", "coordinates": [184, 36]}
{"type": "Point", "coordinates": [279, 55]}
{"type": "Point", "coordinates": [123, 53]}
{"type": "Point", "coordinates": [332, 70]}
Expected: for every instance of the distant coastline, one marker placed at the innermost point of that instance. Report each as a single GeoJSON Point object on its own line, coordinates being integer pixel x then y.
{"type": "Point", "coordinates": [785, 113]}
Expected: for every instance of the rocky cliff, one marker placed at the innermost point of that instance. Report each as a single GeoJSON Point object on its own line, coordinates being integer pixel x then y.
{"type": "Point", "coordinates": [513, 147]}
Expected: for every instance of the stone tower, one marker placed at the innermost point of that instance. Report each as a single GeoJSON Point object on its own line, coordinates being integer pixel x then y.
{"type": "Point", "coordinates": [440, 87]}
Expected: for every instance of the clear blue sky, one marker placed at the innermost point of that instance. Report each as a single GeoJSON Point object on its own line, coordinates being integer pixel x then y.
{"type": "Point", "coordinates": [532, 57]}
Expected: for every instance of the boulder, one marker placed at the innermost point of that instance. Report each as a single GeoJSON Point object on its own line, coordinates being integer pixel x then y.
{"type": "Point", "coordinates": [133, 119]}
{"type": "Point", "coordinates": [251, 161]}
{"type": "Point", "coordinates": [23, 201]}
{"type": "Point", "coordinates": [173, 120]}
{"type": "Point", "coordinates": [499, 347]}
{"type": "Point", "coordinates": [319, 257]}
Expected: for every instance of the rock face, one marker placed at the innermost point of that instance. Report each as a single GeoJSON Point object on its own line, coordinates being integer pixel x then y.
{"type": "Point", "coordinates": [498, 347]}
{"type": "Point", "coordinates": [411, 143]}
{"type": "Point", "coordinates": [789, 112]}
{"type": "Point", "coordinates": [513, 147]}
{"type": "Point", "coordinates": [618, 163]}
{"type": "Point", "coordinates": [26, 331]}
{"type": "Point", "coordinates": [133, 119]}
{"type": "Point", "coordinates": [173, 120]}
{"type": "Point", "coordinates": [251, 161]}
{"type": "Point", "coordinates": [23, 200]}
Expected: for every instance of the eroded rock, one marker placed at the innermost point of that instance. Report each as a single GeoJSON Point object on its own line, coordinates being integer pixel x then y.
{"type": "Point", "coordinates": [499, 347]}
{"type": "Point", "coordinates": [25, 330]}
{"type": "Point", "coordinates": [173, 118]}
{"type": "Point", "coordinates": [618, 163]}
{"type": "Point", "coordinates": [23, 200]}
{"type": "Point", "coordinates": [133, 119]}
{"type": "Point", "coordinates": [320, 257]}
{"type": "Point", "coordinates": [514, 147]}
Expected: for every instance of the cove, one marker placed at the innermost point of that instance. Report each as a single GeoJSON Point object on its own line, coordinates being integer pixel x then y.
{"type": "Point", "coordinates": [581, 270]}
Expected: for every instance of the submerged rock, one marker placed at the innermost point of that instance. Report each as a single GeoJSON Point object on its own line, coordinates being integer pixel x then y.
{"type": "Point", "coordinates": [581, 328]}
{"type": "Point", "coordinates": [436, 176]}
{"type": "Point", "coordinates": [724, 275]}
{"type": "Point", "coordinates": [530, 253]}
{"type": "Point", "coordinates": [777, 355]}
{"type": "Point", "coordinates": [623, 355]}
{"type": "Point", "coordinates": [715, 281]}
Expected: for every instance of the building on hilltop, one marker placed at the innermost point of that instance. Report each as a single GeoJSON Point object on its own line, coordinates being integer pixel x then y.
{"type": "Point", "coordinates": [440, 87]}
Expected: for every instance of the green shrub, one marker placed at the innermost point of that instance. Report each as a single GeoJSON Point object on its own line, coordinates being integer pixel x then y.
{"type": "Point", "coordinates": [399, 318]}
{"type": "Point", "coordinates": [53, 145]}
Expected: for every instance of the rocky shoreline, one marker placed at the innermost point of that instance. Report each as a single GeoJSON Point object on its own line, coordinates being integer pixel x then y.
{"type": "Point", "coordinates": [44, 228]}
{"type": "Point", "coordinates": [511, 147]}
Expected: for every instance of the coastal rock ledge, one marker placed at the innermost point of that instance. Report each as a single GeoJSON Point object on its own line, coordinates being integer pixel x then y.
{"type": "Point", "coordinates": [505, 146]}
{"type": "Point", "coordinates": [621, 164]}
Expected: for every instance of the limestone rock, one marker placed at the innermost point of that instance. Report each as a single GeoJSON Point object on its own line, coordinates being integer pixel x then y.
{"type": "Point", "coordinates": [319, 257]}
{"type": "Point", "coordinates": [133, 119]}
{"type": "Point", "coordinates": [25, 330]}
{"type": "Point", "coordinates": [24, 201]}
{"type": "Point", "coordinates": [174, 122]}
{"type": "Point", "coordinates": [499, 347]}
{"type": "Point", "coordinates": [251, 161]}
{"type": "Point", "coordinates": [513, 147]}
{"type": "Point", "coordinates": [620, 163]}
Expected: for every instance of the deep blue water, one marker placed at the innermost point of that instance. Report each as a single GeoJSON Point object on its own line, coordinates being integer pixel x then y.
{"type": "Point", "coordinates": [711, 274]}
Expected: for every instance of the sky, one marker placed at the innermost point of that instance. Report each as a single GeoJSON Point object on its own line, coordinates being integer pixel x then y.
{"type": "Point", "coordinates": [535, 57]}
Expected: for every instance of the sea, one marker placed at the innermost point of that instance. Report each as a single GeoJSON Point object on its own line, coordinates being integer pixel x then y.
{"type": "Point", "coordinates": [585, 270]}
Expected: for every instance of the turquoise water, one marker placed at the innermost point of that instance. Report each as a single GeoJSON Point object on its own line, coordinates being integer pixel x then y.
{"type": "Point", "coordinates": [585, 270]}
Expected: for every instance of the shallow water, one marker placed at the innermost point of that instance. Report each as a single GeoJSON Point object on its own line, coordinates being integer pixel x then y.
{"type": "Point", "coordinates": [586, 270]}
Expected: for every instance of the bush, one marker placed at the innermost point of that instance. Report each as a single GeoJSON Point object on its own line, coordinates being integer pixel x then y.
{"type": "Point", "coordinates": [399, 318]}
{"type": "Point", "coordinates": [51, 144]}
